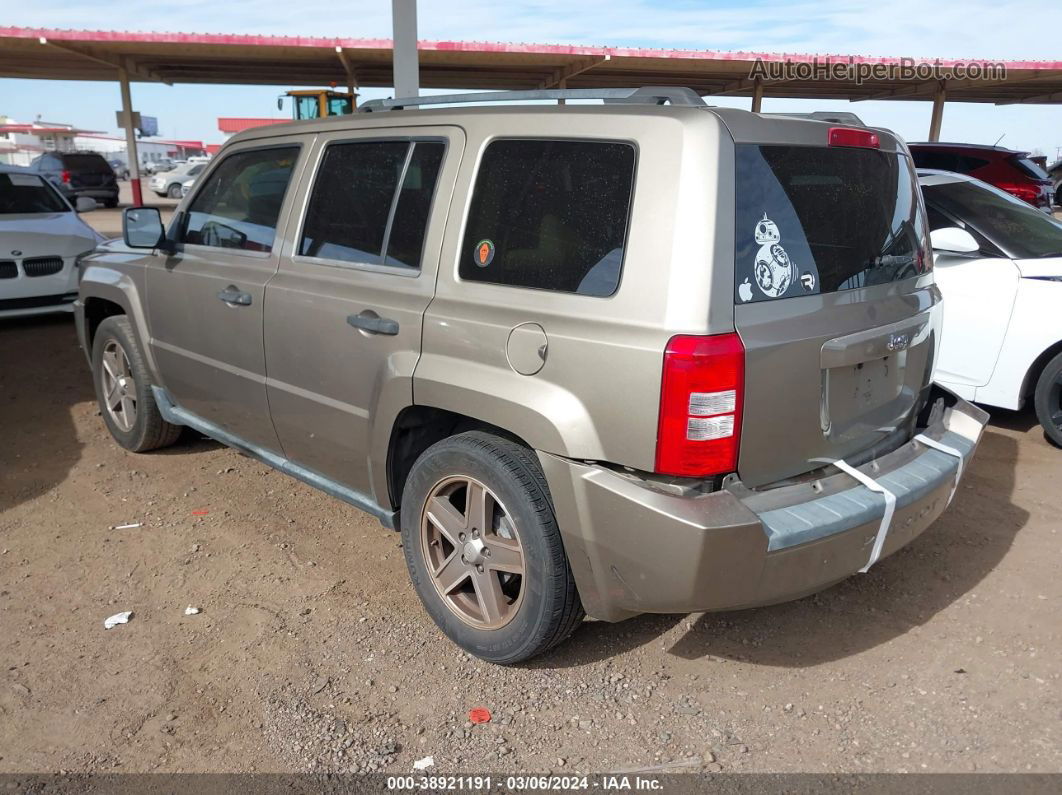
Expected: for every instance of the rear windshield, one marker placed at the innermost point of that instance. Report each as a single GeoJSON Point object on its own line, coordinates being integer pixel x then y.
{"type": "Point", "coordinates": [1029, 168]}
{"type": "Point", "coordinates": [1016, 227]}
{"type": "Point", "coordinates": [86, 163]}
{"type": "Point", "coordinates": [27, 193]}
{"type": "Point", "coordinates": [816, 220]}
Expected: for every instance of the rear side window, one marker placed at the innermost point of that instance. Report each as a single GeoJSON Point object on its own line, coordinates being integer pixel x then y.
{"type": "Point", "coordinates": [239, 205]}
{"type": "Point", "coordinates": [821, 219]}
{"type": "Point", "coordinates": [370, 202]}
{"type": "Point", "coordinates": [550, 215]}
{"type": "Point", "coordinates": [1029, 168]}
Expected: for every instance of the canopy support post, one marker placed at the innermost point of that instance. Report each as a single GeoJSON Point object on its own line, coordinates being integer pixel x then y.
{"type": "Point", "coordinates": [130, 136]}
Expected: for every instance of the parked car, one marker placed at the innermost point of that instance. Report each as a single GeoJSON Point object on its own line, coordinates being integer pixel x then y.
{"type": "Point", "coordinates": [169, 183]}
{"type": "Point", "coordinates": [78, 174]}
{"type": "Point", "coordinates": [41, 239]}
{"type": "Point", "coordinates": [625, 358]}
{"type": "Point", "coordinates": [157, 166]}
{"type": "Point", "coordinates": [999, 266]}
{"type": "Point", "coordinates": [121, 170]}
{"type": "Point", "coordinates": [1007, 169]}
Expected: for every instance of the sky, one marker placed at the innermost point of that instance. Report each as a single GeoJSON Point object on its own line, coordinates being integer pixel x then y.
{"type": "Point", "coordinates": [974, 29]}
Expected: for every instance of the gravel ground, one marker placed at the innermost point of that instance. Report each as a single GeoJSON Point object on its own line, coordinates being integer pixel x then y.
{"type": "Point", "coordinates": [311, 652]}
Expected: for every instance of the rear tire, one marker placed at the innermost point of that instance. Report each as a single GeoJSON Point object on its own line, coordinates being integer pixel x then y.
{"type": "Point", "coordinates": [123, 389]}
{"type": "Point", "coordinates": [1048, 400]}
{"type": "Point", "coordinates": [534, 610]}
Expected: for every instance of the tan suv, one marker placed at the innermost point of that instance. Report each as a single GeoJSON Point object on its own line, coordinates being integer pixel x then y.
{"type": "Point", "coordinates": [622, 358]}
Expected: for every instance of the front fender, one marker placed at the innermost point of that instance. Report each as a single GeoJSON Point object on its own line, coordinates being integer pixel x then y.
{"type": "Point", "coordinates": [100, 280]}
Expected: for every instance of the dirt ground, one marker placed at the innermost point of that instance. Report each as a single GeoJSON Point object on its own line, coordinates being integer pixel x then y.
{"type": "Point", "coordinates": [312, 652]}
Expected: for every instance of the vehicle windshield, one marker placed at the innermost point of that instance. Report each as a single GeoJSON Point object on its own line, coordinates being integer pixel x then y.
{"type": "Point", "coordinates": [814, 220]}
{"type": "Point", "coordinates": [28, 193]}
{"type": "Point", "coordinates": [1020, 230]}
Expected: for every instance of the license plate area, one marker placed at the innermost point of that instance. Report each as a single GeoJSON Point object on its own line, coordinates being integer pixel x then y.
{"type": "Point", "coordinates": [866, 397]}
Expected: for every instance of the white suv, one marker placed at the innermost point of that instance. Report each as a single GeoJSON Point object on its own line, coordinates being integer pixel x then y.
{"type": "Point", "coordinates": [168, 183]}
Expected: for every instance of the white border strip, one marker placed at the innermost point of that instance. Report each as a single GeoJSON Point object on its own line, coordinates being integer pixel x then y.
{"type": "Point", "coordinates": [944, 449]}
{"type": "Point", "coordinates": [886, 519]}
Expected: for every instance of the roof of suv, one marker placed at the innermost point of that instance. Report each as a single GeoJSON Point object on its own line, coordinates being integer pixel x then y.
{"type": "Point", "coordinates": [744, 126]}
{"type": "Point", "coordinates": [978, 147]}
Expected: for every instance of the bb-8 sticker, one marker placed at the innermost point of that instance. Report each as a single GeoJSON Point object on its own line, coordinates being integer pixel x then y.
{"type": "Point", "coordinates": [773, 269]}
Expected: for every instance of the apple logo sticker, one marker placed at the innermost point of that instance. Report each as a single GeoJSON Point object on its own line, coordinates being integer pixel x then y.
{"type": "Point", "coordinates": [745, 291]}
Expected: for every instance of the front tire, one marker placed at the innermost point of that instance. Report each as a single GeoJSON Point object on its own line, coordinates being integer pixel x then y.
{"type": "Point", "coordinates": [1048, 400]}
{"type": "Point", "coordinates": [174, 192]}
{"type": "Point", "coordinates": [123, 389]}
{"type": "Point", "coordinates": [484, 551]}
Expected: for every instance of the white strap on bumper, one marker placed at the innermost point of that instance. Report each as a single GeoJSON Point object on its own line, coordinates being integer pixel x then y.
{"type": "Point", "coordinates": [886, 519]}
{"type": "Point", "coordinates": [944, 449]}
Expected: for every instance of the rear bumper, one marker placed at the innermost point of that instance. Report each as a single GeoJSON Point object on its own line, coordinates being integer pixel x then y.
{"type": "Point", "coordinates": [635, 548]}
{"type": "Point", "coordinates": [95, 192]}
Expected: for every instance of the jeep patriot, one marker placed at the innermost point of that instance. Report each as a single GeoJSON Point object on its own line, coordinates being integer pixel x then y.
{"type": "Point", "coordinates": [639, 356]}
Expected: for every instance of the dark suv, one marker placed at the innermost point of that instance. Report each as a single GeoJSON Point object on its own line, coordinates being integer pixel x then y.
{"type": "Point", "coordinates": [1007, 169]}
{"type": "Point", "coordinates": [78, 174]}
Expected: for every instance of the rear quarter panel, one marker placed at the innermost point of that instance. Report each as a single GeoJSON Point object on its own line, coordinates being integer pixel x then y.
{"type": "Point", "coordinates": [597, 394]}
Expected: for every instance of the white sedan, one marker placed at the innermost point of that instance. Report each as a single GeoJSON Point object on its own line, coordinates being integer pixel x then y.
{"type": "Point", "coordinates": [998, 263]}
{"type": "Point", "coordinates": [41, 238]}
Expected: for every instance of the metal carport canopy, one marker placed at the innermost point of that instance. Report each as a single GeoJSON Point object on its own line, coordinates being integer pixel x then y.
{"type": "Point", "coordinates": [295, 60]}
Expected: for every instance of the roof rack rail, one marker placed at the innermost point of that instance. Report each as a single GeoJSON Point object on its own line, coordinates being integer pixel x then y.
{"type": "Point", "coordinates": [647, 95]}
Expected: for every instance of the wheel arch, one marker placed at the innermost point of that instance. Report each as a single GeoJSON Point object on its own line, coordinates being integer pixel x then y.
{"type": "Point", "coordinates": [418, 427]}
{"type": "Point", "coordinates": [97, 310]}
{"type": "Point", "coordinates": [1032, 375]}
{"type": "Point", "coordinates": [106, 291]}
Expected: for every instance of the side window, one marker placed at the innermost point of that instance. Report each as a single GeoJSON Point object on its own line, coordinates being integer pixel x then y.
{"type": "Point", "coordinates": [550, 215]}
{"type": "Point", "coordinates": [370, 202]}
{"type": "Point", "coordinates": [239, 205]}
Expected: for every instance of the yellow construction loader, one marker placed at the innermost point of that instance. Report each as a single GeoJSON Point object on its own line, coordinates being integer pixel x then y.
{"type": "Point", "coordinates": [317, 103]}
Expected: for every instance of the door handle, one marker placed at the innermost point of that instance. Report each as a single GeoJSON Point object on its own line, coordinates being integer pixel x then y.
{"type": "Point", "coordinates": [234, 296]}
{"type": "Point", "coordinates": [373, 324]}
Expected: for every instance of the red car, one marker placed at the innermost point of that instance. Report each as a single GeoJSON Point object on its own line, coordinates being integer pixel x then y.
{"type": "Point", "coordinates": [1007, 169]}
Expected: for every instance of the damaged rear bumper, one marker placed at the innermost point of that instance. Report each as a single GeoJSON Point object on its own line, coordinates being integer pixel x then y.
{"type": "Point", "coordinates": [635, 548]}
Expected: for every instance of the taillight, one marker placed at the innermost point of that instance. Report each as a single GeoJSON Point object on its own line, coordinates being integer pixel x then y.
{"type": "Point", "coordinates": [66, 177]}
{"type": "Point", "coordinates": [1027, 193]}
{"type": "Point", "coordinates": [701, 395]}
{"type": "Point", "coordinates": [846, 136]}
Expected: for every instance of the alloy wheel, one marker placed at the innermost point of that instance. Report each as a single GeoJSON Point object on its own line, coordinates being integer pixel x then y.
{"type": "Point", "coordinates": [119, 388]}
{"type": "Point", "coordinates": [473, 552]}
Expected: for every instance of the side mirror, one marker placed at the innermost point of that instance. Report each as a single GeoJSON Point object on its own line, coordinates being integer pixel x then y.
{"type": "Point", "coordinates": [85, 204]}
{"type": "Point", "coordinates": [953, 240]}
{"type": "Point", "coordinates": [142, 228]}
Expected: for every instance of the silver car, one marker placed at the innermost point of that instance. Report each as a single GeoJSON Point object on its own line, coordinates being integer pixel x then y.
{"type": "Point", "coordinates": [616, 359]}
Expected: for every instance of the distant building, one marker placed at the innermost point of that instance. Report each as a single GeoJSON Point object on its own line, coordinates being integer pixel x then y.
{"type": "Point", "coordinates": [21, 142]}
